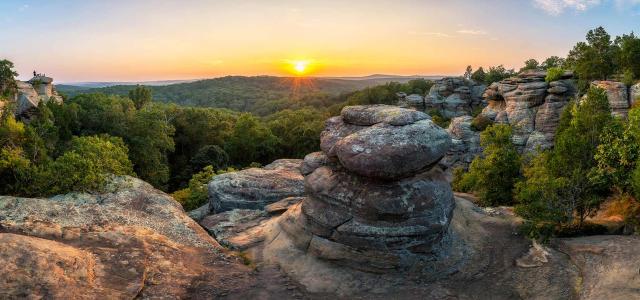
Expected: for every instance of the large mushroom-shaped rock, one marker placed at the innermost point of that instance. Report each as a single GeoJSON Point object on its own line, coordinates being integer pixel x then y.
{"type": "Point", "coordinates": [384, 150]}
{"type": "Point", "coordinates": [381, 204]}
{"type": "Point", "coordinates": [255, 188]}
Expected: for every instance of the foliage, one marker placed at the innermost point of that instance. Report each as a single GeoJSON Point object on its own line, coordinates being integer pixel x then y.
{"type": "Point", "coordinates": [593, 59]}
{"type": "Point", "coordinates": [7, 78]}
{"type": "Point", "coordinates": [560, 188]}
{"type": "Point", "coordinates": [479, 75]}
{"type": "Point", "coordinates": [497, 73]}
{"type": "Point", "coordinates": [553, 74]}
{"type": "Point", "coordinates": [480, 123]}
{"type": "Point", "coordinates": [438, 118]}
{"type": "Point", "coordinates": [195, 195]}
{"type": "Point", "coordinates": [251, 141]}
{"type": "Point", "coordinates": [297, 131]}
{"type": "Point", "coordinates": [552, 62]}
{"type": "Point", "coordinates": [141, 95]}
{"type": "Point", "coordinates": [492, 175]}
{"type": "Point", "coordinates": [468, 72]}
{"type": "Point", "coordinates": [530, 64]}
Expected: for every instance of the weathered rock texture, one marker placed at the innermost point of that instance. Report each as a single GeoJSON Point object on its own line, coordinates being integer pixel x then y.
{"type": "Point", "coordinates": [131, 242]}
{"type": "Point", "coordinates": [454, 97]}
{"type": "Point", "coordinates": [465, 144]}
{"type": "Point", "coordinates": [531, 105]}
{"type": "Point", "coordinates": [255, 188]}
{"type": "Point", "coordinates": [31, 93]}
{"type": "Point", "coordinates": [375, 199]}
{"type": "Point", "coordinates": [618, 96]}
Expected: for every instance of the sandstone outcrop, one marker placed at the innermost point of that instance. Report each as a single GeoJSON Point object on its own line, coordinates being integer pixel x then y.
{"type": "Point", "coordinates": [32, 92]}
{"type": "Point", "coordinates": [367, 207]}
{"type": "Point", "coordinates": [618, 96]}
{"type": "Point", "coordinates": [454, 97]}
{"type": "Point", "coordinates": [465, 143]}
{"type": "Point", "coordinates": [255, 188]}
{"type": "Point", "coordinates": [531, 105]}
{"type": "Point", "coordinates": [132, 241]}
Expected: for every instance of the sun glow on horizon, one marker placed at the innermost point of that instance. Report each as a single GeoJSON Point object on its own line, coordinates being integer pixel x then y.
{"type": "Point", "coordinates": [299, 67]}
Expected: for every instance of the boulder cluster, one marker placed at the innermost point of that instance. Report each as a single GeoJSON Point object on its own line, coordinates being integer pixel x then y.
{"type": "Point", "coordinates": [531, 105]}
{"type": "Point", "coordinates": [455, 97]}
{"type": "Point", "coordinates": [376, 199]}
{"type": "Point", "coordinates": [32, 92]}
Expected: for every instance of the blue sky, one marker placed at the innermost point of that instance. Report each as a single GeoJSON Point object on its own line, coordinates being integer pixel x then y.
{"type": "Point", "coordinates": [120, 40]}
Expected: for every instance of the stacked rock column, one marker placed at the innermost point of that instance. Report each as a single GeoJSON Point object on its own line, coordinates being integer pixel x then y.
{"type": "Point", "coordinates": [376, 199]}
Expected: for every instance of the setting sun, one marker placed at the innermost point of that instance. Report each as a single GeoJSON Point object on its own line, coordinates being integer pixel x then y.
{"type": "Point", "coordinates": [299, 67]}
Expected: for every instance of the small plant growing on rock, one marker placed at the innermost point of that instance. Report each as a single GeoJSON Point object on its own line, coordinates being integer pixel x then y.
{"type": "Point", "coordinates": [554, 74]}
{"type": "Point", "coordinates": [480, 123]}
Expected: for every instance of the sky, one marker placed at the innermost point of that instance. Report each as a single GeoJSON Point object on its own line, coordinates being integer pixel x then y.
{"type": "Point", "coordinates": [118, 40]}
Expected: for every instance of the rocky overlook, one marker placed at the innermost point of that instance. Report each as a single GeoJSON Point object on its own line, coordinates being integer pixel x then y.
{"type": "Point", "coordinates": [31, 93]}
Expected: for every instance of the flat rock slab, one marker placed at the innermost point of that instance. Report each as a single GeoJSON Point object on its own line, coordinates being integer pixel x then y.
{"type": "Point", "coordinates": [256, 187]}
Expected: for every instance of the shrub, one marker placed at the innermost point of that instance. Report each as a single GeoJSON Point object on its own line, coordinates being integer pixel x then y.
{"type": "Point", "coordinates": [554, 74]}
{"type": "Point", "coordinates": [480, 123]}
{"type": "Point", "coordinates": [196, 194]}
{"type": "Point", "coordinates": [438, 118]}
{"type": "Point", "coordinates": [492, 176]}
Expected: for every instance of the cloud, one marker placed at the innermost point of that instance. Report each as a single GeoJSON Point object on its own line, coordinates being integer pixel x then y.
{"type": "Point", "coordinates": [557, 7]}
{"type": "Point", "coordinates": [472, 32]}
{"type": "Point", "coordinates": [438, 34]}
{"type": "Point", "coordinates": [23, 7]}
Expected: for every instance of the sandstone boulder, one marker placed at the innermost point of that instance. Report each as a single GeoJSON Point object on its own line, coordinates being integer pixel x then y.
{"type": "Point", "coordinates": [465, 143]}
{"type": "Point", "coordinates": [383, 150]}
{"type": "Point", "coordinates": [132, 241]}
{"type": "Point", "coordinates": [454, 97]}
{"type": "Point", "coordinates": [255, 188]}
{"type": "Point", "coordinates": [618, 96]}
{"type": "Point", "coordinates": [31, 93]}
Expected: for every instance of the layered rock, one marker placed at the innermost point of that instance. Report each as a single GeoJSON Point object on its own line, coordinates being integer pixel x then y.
{"type": "Point", "coordinates": [255, 188]}
{"type": "Point", "coordinates": [32, 92]}
{"type": "Point", "coordinates": [465, 143]}
{"type": "Point", "coordinates": [376, 200]}
{"type": "Point", "coordinates": [618, 96]}
{"type": "Point", "coordinates": [130, 242]}
{"type": "Point", "coordinates": [454, 97]}
{"type": "Point", "coordinates": [531, 105]}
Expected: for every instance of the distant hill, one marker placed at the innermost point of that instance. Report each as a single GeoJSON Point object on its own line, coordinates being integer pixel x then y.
{"type": "Point", "coordinates": [243, 93]}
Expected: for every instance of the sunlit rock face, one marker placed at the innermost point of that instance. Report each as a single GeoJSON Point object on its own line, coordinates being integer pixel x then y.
{"type": "Point", "coordinates": [530, 105]}
{"type": "Point", "coordinates": [376, 199]}
{"type": "Point", "coordinates": [618, 96]}
{"type": "Point", "coordinates": [31, 93]}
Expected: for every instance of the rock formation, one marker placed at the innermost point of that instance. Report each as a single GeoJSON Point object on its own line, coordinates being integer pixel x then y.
{"type": "Point", "coordinates": [454, 97]}
{"type": "Point", "coordinates": [618, 96]}
{"type": "Point", "coordinates": [32, 92]}
{"type": "Point", "coordinates": [255, 188]}
{"type": "Point", "coordinates": [531, 105]}
{"type": "Point", "coordinates": [130, 242]}
{"type": "Point", "coordinates": [376, 200]}
{"type": "Point", "coordinates": [465, 144]}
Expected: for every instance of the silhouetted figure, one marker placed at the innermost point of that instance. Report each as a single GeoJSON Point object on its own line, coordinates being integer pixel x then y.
{"type": "Point", "coordinates": [35, 74]}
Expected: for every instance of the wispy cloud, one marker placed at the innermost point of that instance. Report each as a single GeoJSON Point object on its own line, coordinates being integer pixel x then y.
{"type": "Point", "coordinates": [438, 34]}
{"type": "Point", "coordinates": [557, 7]}
{"type": "Point", "coordinates": [472, 32]}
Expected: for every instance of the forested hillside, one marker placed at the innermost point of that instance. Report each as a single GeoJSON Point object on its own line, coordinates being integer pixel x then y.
{"type": "Point", "coordinates": [259, 94]}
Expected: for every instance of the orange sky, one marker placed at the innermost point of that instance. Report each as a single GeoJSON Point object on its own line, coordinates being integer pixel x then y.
{"type": "Point", "coordinates": [121, 40]}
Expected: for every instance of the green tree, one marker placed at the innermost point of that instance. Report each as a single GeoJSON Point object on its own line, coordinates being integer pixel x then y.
{"type": "Point", "coordinates": [492, 175]}
{"type": "Point", "coordinates": [530, 64]}
{"type": "Point", "coordinates": [553, 74]}
{"type": "Point", "coordinates": [468, 72]}
{"type": "Point", "coordinates": [560, 188]}
{"type": "Point", "coordinates": [141, 95]}
{"type": "Point", "coordinates": [479, 75]}
{"type": "Point", "coordinates": [210, 155]}
{"type": "Point", "coordinates": [628, 56]}
{"type": "Point", "coordinates": [298, 131]}
{"type": "Point", "coordinates": [7, 78]}
{"type": "Point", "coordinates": [595, 58]}
{"type": "Point", "coordinates": [552, 62]}
{"type": "Point", "coordinates": [250, 141]}
{"type": "Point", "coordinates": [497, 73]}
